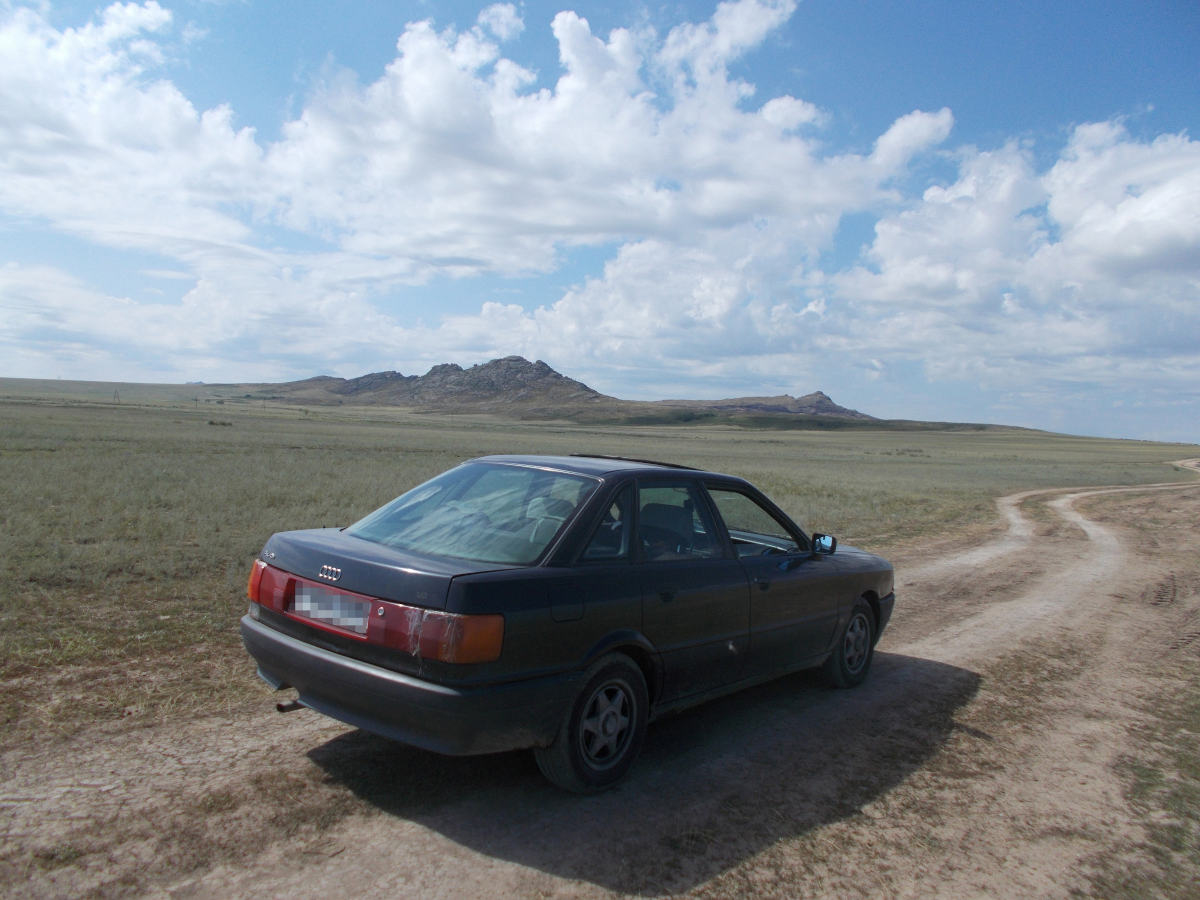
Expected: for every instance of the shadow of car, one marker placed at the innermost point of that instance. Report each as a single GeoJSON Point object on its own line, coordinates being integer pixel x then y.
{"type": "Point", "coordinates": [715, 786]}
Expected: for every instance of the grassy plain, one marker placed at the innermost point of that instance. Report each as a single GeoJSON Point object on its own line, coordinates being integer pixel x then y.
{"type": "Point", "coordinates": [128, 527]}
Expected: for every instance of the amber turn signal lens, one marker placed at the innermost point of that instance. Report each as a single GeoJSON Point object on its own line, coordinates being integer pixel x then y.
{"type": "Point", "coordinates": [461, 639]}
{"type": "Point", "coordinates": [480, 639]}
{"type": "Point", "coordinates": [255, 579]}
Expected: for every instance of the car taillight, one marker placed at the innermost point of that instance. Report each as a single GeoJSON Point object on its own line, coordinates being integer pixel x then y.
{"type": "Point", "coordinates": [255, 579]}
{"type": "Point", "coordinates": [433, 634]}
{"type": "Point", "coordinates": [268, 586]}
{"type": "Point", "coordinates": [461, 638]}
{"type": "Point", "coordinates": [425, 633]}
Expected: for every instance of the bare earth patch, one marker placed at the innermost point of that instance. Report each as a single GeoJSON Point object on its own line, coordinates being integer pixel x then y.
{"type": "Point", "coordinates": [1024, 733]}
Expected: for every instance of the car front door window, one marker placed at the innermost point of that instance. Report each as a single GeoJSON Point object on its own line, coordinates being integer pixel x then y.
{"type": "Point", "coordinates": [753, 529]}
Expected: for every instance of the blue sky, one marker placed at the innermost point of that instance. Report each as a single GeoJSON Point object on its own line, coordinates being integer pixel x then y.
{"type": "Point", "coordinates": [929, 210]}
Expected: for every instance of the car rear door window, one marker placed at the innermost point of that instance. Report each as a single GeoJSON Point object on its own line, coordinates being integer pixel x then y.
{"type": "Point", "coordinates": [674, 523]}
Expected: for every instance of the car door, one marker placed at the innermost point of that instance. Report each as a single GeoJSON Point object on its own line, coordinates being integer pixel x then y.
{"type": "Point", "coordinates": [695, 596]}
{"type": "Point", "coordinates": [793, 592]}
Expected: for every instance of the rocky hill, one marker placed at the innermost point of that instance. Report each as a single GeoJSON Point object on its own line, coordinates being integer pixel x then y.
{"type": "Point", "coordinates": [515, 386]}
{"type": "Point", "coordinates": [817, 403]}
{"type": "Point", "coordinates": [512, 383]}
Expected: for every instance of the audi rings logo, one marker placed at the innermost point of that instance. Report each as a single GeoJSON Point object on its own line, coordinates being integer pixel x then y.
{"type": "Point", "coordinates": [330, 573]}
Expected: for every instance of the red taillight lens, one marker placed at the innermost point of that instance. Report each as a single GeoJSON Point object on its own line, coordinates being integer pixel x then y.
{"type": "Point", "coordinates": [425, 633]}
{"type": "Point", "coordinates": [274, 586]}
{"type": "Point", "coordinates": [255, 580]}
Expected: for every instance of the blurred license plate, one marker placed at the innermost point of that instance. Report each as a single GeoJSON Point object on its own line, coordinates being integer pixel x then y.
{"type": "Point", "coordinates": [331, 608]}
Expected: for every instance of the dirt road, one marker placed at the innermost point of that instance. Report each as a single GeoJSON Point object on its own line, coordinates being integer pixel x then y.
{"type": "Point", "coordinates": [1021, 702]}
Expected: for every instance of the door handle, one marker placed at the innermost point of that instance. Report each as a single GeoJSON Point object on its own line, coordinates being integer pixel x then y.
{"type": "Point", "coordinates": [763, 583]}
{"type": "Point", "coordinates": [667, 595]}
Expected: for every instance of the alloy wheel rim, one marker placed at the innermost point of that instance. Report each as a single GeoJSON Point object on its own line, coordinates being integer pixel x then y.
{"type": "Point", "coordinates": [857, 643]}
{"type": "Point", "coordinates": [606, 725]}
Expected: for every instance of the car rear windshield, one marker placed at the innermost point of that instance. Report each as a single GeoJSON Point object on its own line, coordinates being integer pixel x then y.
{"type": "Point", "coordinates": [485, 512]}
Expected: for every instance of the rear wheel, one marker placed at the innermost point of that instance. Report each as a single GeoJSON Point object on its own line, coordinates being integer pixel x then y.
{"type": "Point", "coordinates": [850, 661]}
{"type": "Point", "coordinates": [603, 732]}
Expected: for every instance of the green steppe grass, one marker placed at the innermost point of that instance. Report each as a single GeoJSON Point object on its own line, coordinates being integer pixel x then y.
{"type": "Point", "coordinates": [128, 529]}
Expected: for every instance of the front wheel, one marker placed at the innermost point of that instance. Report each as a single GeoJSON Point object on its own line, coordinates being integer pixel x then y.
{"type": "Point", "coordinates": [850, 661]}
{"type": "Point", "coordinates": [603, 732]}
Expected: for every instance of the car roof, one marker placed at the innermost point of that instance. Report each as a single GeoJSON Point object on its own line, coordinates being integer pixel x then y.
{"type": "Point", "coordinates": [597, 466]}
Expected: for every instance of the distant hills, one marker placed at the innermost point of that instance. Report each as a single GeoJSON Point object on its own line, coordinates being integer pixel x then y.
{"type": "Point", "coordinates": [511, 387]}
{"type": "Point", "coordinates": [515, 386]}
{"type": "Point", "coordinates": [817, 403]}
{"type": "Point", "coordinates": [512, 383]}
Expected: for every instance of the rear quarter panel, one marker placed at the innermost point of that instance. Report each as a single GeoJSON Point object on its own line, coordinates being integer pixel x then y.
{"type": "Point", "coordinates": [555, 619]}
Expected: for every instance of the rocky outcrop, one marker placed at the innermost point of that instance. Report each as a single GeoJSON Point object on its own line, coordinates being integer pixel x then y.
{"type": "Point", "coordinates": [817, 403]}
{"type": "Point", "coordinates": [511, 381]}
{"type": "Point", "coordinates": [514, 385]}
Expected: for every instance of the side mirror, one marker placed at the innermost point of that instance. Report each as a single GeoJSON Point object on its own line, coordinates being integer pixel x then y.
{"type": "Point", "coordinates": [824, 543]}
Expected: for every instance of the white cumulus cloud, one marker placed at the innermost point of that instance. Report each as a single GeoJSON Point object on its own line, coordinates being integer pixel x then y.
{"type": "Point", "coordinates": [717, 209]}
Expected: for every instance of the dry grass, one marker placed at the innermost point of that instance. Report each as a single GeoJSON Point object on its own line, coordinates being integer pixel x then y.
{"type": "Point", "coordinates": [1163, 783]}
{"type": "Point", "coordinates": [128, 529]}
{"type": "Point", "coordinates": [92, 646]}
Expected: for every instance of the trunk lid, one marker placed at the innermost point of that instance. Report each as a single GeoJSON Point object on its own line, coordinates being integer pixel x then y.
{"type": "Point", "coordinates": [342, 561]}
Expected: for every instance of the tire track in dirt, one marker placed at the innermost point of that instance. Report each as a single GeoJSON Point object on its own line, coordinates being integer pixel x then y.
{"type": "Point", "coordinates": [1017, 535]}
{"type": "Point", "coordinates": [1058, 587]}
{"type": "Point", "coordinates": [1068, 650]}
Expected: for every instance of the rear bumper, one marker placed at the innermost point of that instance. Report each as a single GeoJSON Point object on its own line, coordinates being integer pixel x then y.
{"type": "Point", "coordinates": [454, 721]}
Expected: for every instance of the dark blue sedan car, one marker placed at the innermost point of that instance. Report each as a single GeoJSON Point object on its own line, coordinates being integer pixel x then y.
{"type": "Point", "coordinates": [558, 603]}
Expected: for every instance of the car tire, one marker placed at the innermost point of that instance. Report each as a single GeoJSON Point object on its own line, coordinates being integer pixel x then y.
{"type": "Point", "coordinates": [851, 659]}
{"type": "Point", "coordinates": [602, 733]}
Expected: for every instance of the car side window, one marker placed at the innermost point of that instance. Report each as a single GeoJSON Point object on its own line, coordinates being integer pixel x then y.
{"type": "Point", "coordinates": [611, 540]}
{"type": "Point", "coordinates": [674, 523]}
{"type": "Point", "coordinates": [754, 530]}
